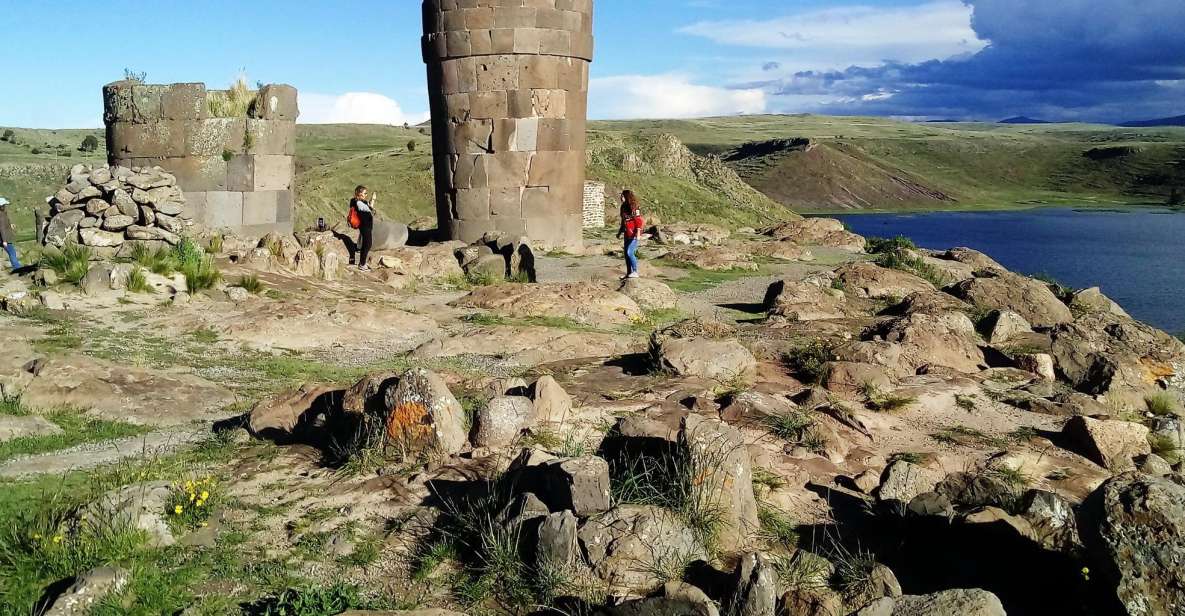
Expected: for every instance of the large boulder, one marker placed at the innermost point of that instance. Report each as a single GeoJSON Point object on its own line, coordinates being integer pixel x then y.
{"type": "Point", "coordinates": [1118, 359]}
{"type": "Point", "coordinates": [817, 232]}
{"type": "Point", "coordinates": [278, 418]}
{"type": "Point", "coordinates": [1110, 444]}
{"type": "Point", "coordinates": [580, 485]}
{"type": "Point", "coordinates": [974, 258]}
{"type": "Point", "coordinates": [804, 301]}
{"type": "Point", "coordinates": [1134, 529]}
{"type": "Point", "coordinates": [88, 589]}
{"type": "Point", "coordinates": [423, 417]}
{"type": "Point", "coordinates": [582, 303]}
{"type": "Point", "coordinates": [971, 602]}
{"type": "Point", "coordinates": [867, 280]}
{"type": "Point", "coordinates": [502, 420]}
{"type": "Point", "coordinates": [946, 339]}
{"type": "Point", "coordinates": [1029, 298]}
{"type": "Point", "coordinates": [636, 547]}
{"type": "Point", "coordinates": [389, 235]}
{"type": "Point", "coordinates": [903, 481]}
{"type": "Point", "coordinates": [552, 403]}
{"type": "Point", "coordinates": [16, 426]}
{"type": "Point", "coordinates": [722, 476]}
{"type": "Point", "coordinates": [649, 293]}
{"type": "Point", "coordinates": [714, 258]}
{"type": "Point", "coordinates": [697, 348]}
{"type": "Point", "coordinates": [756, 583]}
{"type": "Point", "coordinates": [1093, 300]}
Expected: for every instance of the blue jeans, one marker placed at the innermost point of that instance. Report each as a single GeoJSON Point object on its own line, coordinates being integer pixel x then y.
{"type": "Point", "coordinates": [12, 259]}
{"type": "Point", "coordinates": [631, 256]}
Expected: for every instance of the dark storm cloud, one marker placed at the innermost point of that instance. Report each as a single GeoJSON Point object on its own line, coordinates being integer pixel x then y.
{"type": "Point", "coordinates": [1063, 59]}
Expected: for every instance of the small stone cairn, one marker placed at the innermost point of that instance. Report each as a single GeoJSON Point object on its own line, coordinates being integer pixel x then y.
{"type": "Point", "coordinates": [108, 207]}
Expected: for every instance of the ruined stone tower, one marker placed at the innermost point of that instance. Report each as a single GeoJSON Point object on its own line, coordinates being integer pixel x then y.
{"type": "Point", "coordinates": [508, 83]}
{"type": "Point", "coordinates": [237, 171]}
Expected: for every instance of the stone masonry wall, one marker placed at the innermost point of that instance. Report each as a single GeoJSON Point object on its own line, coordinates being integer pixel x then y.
{"type": "Point", "coordinates": [594, 205]}
{"type": "Point", "coordinates": [508, 85]}
{"type": "Point", "coordinates": [237, 173]}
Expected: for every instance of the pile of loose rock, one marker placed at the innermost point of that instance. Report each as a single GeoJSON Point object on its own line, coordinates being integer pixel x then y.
{"type": "Point", "coordinates": [108, 207]}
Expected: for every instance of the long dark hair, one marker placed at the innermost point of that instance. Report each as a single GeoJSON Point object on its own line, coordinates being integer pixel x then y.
{"type": "Point", "coordinates": [630, 202]}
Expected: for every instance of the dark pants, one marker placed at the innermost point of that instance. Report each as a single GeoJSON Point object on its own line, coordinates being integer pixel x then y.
{"type": "Point", "coordinates": [366, 239]}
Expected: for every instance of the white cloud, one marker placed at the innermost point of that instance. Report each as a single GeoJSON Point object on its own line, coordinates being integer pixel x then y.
{"type": "Point", "coordinates": [355, 108]}
{"type": "Point", "coordinates": [667, 96]}
{"type": "Point", "coordinates": [857, 34]}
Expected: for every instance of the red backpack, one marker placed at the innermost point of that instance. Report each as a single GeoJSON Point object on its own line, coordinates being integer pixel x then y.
{"type": "Point", "coordinates": [354, 218]}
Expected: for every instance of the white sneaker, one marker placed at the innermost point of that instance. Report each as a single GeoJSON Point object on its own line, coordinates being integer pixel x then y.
{"type": "Point", "coordinates": [633, 275]}
{"type": "Point", "coordinates": [364, 268]}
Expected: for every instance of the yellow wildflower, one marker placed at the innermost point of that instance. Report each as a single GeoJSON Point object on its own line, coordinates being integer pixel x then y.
{"type": "Point", "coordinates": [205, 495]}
{"type": "Point", "coordinates": [57, 539]}
{"type": "Point", "coordinates": [178, 509]}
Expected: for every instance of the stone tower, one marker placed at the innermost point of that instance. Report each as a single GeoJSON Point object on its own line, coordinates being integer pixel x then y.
{"type": "Point", "coordinates": [237, 172]}
{"type": "Point", "coordinates": [508, 85]}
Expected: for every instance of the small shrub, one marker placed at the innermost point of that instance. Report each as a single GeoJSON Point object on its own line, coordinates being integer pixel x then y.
{"type": "Point", "coordinates": [198, 268]}
{"type": "Point", "coordinates": [71, 263]}
{"type": "Point", "coordinates": [136, 76]}
{"type": "Point", "coordinates": [884, 402]}
{"type": "Point", "coordinates": [1163, 403]}
{"type": "Point", "coordinates": [1163, 446]}
{"type": "Point", "coordinates": [35, 151]}
{"type": "Point", "coordinates": [89, 144]}
{"type": "Point", "coordinates": [251, 284]}
{"type": "Point", "coordinates": [807, 361]}
{"type": "Point", "coordinates": [310, 601]}
{"type": "Point", "coordinates": [215, 245]}
{"type": "Point", "coordinates": [8, 134]}
{"type": "Point", "coordinates": [411, 146]}
{"type": "Point", "coordinates": [879, 245]}
{"type": "Point", "coordinates": [227, 155]}
{"type": "Point", "coordinates": [796, 428]}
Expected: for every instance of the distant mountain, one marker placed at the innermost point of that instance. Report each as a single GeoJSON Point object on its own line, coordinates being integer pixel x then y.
{"type": "Point", "coordinates": [1174, 121]}
{"type": "Point", "coordinates": [1022, 120]}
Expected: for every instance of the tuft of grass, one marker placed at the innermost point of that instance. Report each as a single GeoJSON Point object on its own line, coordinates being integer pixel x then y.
{"type": "Point", "coordinates": [882, 245]}
{"type": "Point", "coordinates": [797, 428]}
{"type": "Point", "coordinates": [677, 482]}
{"type": "Point", "coordinates": [71, 262]}
{"type": "Point", "coordinates": [965, 402]}
{"type": "Point", "coordinates": [884, 402]}
{"type": "Point", "coordinates": [807, 361]}
{"type": "Point", "coordinates": [138, 282]}
{"type": "Point", "coordinates": [769, 480]}
{"type": "Point", "coordinates": [1163, 446]}
{"type": "Point", "coordinates": [912, 457]}
{"type": "Point", "coordinates": [777, 528]}
{"type": "Point", "coordinates": [197, 267]}
{"type": "Point", "coordinates": [1014, 477]}
{"type": "Point", "coordinates": [1163, 403]}
{"type": "Point", "coordinates": [251, 284]}
{"type": "Point", "coordinates": [897, 259]}
{"type": "Point", "coordinates": [968, 437]}
{"type": "Point", "coordinates": [310, 601]}
{"type": "Point", "coordinates": [235, 102]}
{"type": "Point", "coordinates": [854, 573]}
{"type": "Point", "coordinates": [215, 245]}
{"type": "Point", "coordinates": [803, 571]}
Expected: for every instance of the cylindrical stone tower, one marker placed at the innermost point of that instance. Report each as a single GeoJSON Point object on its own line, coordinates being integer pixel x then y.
{"type": "Point", "coordinates": [508, 84]}
{"type": "Point", "coordinates": [237, 169]}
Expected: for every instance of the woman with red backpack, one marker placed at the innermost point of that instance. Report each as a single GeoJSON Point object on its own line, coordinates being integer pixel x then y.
{"type": "Point", "coordinates": [631, 227]}
{"type": "Point", "coordinates": [361, 217]}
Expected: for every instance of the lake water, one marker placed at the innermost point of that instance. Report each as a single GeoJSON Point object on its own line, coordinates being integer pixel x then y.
{"type": "Point", "coordinates": [1135, 256]}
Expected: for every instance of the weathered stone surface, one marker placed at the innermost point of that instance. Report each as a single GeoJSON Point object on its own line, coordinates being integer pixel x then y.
{"type": "Point", "coordinates": [1029, 298]}
{"type": "Point", "coordinates": [140, 506]}
{"type": "Point", "coordinates": [12, 426]}
{"type": "Point", "coordinates": [502, 419]}
{"type": "Point", "coordinates": [973, 602]}
{"type": "Point", "coordinates": [946, 339]}
{"type": "Point", "coordinates": [557, 549]}
{"type": "Point", "coordinates": [1093, 300]}
{"type": "Point", "coordinates": [723, 471]}
{"type": "Point", "coordinates": [1134, 529]}
{"type": "Point", "coordinates": [872, 281]}
{"type": "Point", "coordinates": [88, 589]}
{"type": "Point", "coordinates": [62, 228]}
{"type": "Point", "coordinates": [577, 484]}
{"type": "Point", "coordinates": [100, 239]}
{"type": "Point", "coordinates": [424, 416]}
{"type": "Point", "coordinates": [1117, 359]}
{"type": "Point", "coordinates": [756, 583]}
{"type": "Point", "coordinates": [627, 545]}
{"type": "Point", "coordinates": [278, 418]}
{"type": "Point", "coordinates": [650, 294]}
{"type": "Point", "coordinates": [552, 403]}
{"type": "Point", "coordinates": [903, 481]}
{"type": "Point", "coordinates": [1006, 324]}
{"type": "Point", "coordinates": [803, 301]}
{"type": "Point", "coordinates": [1040, 364]}
{"type": "Point", "coordinates": [1110, 444]}
{"type": "Point", "coordinates": [583, 303]}
{"type": "Point", "coordinates": [817, 232]}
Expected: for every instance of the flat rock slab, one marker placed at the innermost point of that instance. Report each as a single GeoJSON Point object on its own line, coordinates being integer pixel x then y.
{"type": "Point", "coordinates": [23, 427]}
{"type": "Point", "coordinates": [120, 393]}
{"type": "Point", "coordinates": [93, 455]}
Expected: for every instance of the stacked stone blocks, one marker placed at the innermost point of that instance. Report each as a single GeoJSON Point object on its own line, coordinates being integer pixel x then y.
{"type": "Point", "coordinates": [237, 172]}
{"type": "Point", "coordinates": [594, 205]}
{"type": "Point", "coordinates": [508, 83]}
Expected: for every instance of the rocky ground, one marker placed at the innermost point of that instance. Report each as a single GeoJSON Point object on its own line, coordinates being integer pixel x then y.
{"type": "Point", "coordinates": [779, 421]}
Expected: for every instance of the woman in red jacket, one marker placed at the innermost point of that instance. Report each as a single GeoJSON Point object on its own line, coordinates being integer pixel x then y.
{"type": "Point", "coordinates": [631, 227]}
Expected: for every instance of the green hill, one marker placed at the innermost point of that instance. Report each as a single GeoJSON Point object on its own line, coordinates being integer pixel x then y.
{"type": "Point", "coordinates": [742, 171]}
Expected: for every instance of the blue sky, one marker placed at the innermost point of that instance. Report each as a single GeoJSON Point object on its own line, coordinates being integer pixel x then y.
{"type": "Point", "coordinates": [1102, 60]}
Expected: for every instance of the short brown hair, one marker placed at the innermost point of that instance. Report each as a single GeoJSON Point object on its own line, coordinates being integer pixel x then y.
{"type": "Point", "coordinates": [360, 189]}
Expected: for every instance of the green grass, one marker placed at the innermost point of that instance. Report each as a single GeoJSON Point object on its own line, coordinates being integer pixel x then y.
{"type": "Point", "coordinates": [138, 282]}
{"type": "Point", "coordinates": [71, 262]}
{"type": "Point", "coordinates": [1164, 447]}
{"type": "Point", "coordinates": [880, 401]}
{"type": "Point", "coordinates": [807, 361]}
{"type": "Point", "coordinates": [898, 260]}
{"type": "Point", "coordinates": [77, 429]}
{"type": "Point", "coordinates": [968, 437]}
{"type": "Point", "coordinates": [1164, 404]}
{"type": "Point", "coordinates": [696, 280]}
{"type": "Point", "coordinates": [251, 284]}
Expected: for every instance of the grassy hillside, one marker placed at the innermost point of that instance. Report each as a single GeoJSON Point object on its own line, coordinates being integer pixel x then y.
{"type": "Point", "coordinates": [864, 162]}
{"type": "Point", "coordinates": [850, 163]}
